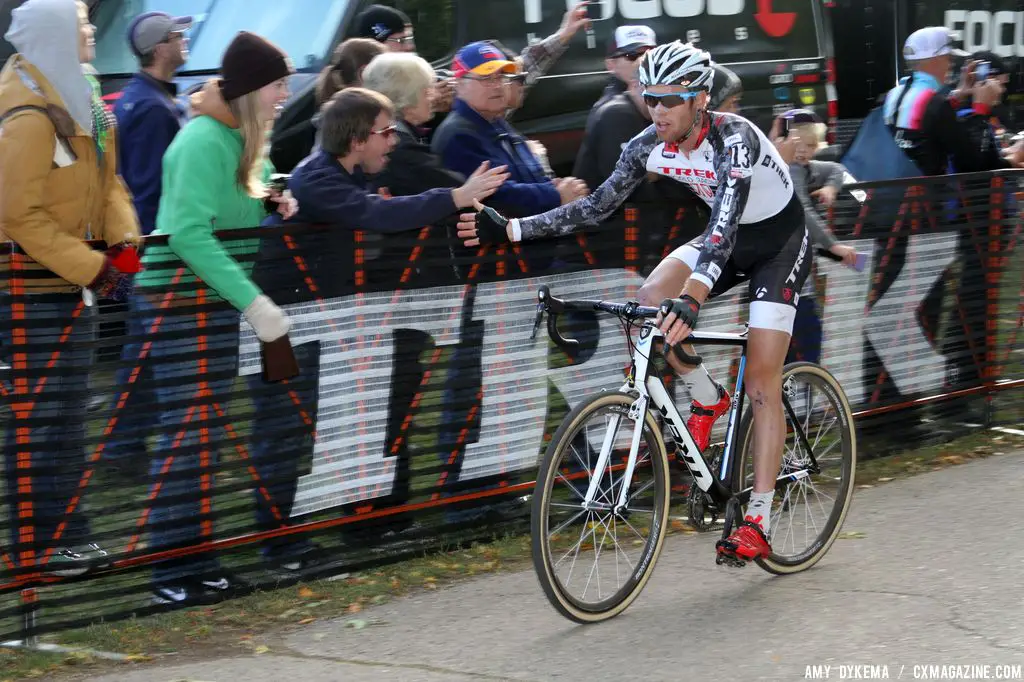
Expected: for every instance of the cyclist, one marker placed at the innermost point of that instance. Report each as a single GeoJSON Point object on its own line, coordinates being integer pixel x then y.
{"type": "Point", "coordinates": [756, 232]}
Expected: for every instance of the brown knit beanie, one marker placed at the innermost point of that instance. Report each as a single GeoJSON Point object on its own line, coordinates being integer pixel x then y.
{"type": "Point", "coordinates": [250, 63]}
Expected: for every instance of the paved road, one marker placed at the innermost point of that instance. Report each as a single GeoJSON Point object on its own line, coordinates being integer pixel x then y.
{"type": "Point", "coordinates": [935, 579]}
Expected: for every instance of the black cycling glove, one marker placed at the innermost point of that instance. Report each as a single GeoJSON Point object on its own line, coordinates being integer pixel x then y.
{"type": "Point", "coordinates": [491, 227]}
{"type": "Point", "coordinates": [685, 308]}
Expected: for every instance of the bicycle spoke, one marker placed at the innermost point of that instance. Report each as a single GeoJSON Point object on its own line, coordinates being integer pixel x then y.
{"type": "Point", "coordinates": [614, 544]}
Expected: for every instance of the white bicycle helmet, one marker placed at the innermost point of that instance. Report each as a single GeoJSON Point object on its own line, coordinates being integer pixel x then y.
{"type": "Point", "coordinates": [677, 63]}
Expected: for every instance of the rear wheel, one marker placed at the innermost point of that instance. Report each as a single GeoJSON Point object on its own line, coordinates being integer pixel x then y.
{"type": "Point", "coordinates": [593, 562]}
{"type": "Point", "coordinates": [808, 512]}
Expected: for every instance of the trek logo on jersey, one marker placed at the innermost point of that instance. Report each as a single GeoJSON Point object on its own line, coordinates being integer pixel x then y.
{"type": "Point", "coordinates": [783, 174]}
{"type": "Point", "coordinates": [725, 210]}
{"type": "Point", "coordinates": [696, 176]}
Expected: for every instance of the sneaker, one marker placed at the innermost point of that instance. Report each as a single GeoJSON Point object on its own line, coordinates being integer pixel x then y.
{"type": "Point", "coordinates": [223, 584]}
{"type": "Point", "coordinates": [95, 555]}
{"type": "Point", "coordinates": [177, 594]}
{"type": "Point", "coordinates": [703, 417]}
{"type": "Point", "coordinates": [67, 563]}
{"type": "Point", "coordinates": [197, 590]}
{"type": "Point", "coordinates": [297, 562]}
{"type": "Point", "coordinates": [746, 543]}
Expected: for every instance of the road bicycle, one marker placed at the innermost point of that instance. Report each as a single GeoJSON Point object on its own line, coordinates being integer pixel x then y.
{"type": "Point", "coordinates": [603, 490]}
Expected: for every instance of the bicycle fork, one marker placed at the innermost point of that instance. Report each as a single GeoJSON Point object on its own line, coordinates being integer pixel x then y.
{"type": "Point", "coordinates": [637, 412]}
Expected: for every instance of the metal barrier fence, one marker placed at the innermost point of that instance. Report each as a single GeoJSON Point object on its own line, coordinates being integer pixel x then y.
{"type": "Point", "coordinates": [423, 404]}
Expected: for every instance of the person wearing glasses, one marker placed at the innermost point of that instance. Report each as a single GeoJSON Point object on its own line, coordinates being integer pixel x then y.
{"type": "Point", "coordinates": [476, 131]}
{"type": "Point", "coordinates": [625, 48]}
{"type": "Point", "coordinates": [924, 122]}
{"type": "Point", "coordinates": [358, 133]}
{"type": "Point", "coordinates": [390, 27]}
{"type": "Point", "coordinates": [756, 233]}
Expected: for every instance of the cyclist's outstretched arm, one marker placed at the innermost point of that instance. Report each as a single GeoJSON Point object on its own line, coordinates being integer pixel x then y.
{"type": "Point", "coordinates": [734, 167]}
{"type": "Point", "coordinates": [630, 171]}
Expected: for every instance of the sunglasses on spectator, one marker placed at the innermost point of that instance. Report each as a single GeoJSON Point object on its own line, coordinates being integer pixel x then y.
{"type": "Point", "coordinates": [386, 133]}
{"type": "Point", "coordinates": [402, 41]}
{"type": "Point", "coordinates": [518, 78]}
{"type": "Point", "coordinates": [669, 100]}
{"type": "Point", "coordinates": [630, 56]}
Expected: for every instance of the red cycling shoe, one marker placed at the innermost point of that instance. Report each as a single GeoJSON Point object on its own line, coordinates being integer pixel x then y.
{"type": "Point", "coordinates": [703, 417]}
{"type": "Point", "coordinates": [747, 542]}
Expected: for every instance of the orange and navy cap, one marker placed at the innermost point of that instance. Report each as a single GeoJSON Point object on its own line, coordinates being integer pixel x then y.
{"type": "Point", "coordinates": [481, 59]}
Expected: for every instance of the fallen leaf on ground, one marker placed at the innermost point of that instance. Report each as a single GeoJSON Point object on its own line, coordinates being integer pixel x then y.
{"type": "Point", "coordinates": [886, 479]}
{"type": "Point", "coordinates": [354, 607]}
{"type": "Point", "coordinates": [355, 624]}
{"type": "Point", "coordinates": [306, 621]}
{"type": "Point", "coordinates": [261, 649]}
{"type": "Point", "coordinates": [306, 593]}
{"type": "Point", "coordinates": [851, 535]}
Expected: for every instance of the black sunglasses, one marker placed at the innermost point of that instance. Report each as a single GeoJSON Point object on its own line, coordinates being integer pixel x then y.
{"type": "Point", "coordinates": [630, 56]}
{"type": "Point", "coordinates": [668, 100]}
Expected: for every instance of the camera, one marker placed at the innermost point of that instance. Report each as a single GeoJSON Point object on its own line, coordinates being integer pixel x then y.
{"type": "Point", "coordinates": [982, 71]}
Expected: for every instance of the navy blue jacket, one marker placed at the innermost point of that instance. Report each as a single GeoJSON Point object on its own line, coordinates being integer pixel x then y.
{"type": "Point", "coordinates": [466, 139]}
{"type": "Point", "coordinates": [327, 193]}
{"type": "Point", "coordinates": [148, 118]}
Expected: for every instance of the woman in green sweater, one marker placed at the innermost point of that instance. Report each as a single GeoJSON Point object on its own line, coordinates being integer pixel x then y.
{"type": "Point", "coordinates": [214, 176]}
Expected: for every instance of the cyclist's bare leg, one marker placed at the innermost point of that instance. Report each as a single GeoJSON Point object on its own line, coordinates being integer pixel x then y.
{"type": "Point", "coordinates": [667, 281]}
{"type": "Point", "coordinates": [766, 354]}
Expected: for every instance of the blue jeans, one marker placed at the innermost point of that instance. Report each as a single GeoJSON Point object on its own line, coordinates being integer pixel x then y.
{"type": "Point", "coordinates": [55, 424]}
{"type": "Point", "coordinates": [134, 421]}
{"type": "Point", "coordinates": [282, 439]}
{"type": "Point", "coordinates": [177, 516]}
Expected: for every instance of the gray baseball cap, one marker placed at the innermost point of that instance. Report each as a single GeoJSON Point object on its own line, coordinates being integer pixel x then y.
{"type": "Point", "coordinates": [152, 28]}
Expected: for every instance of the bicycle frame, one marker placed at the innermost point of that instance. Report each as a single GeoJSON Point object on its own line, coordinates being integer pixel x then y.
{"type": "Point", "coordinates": [651, 391]}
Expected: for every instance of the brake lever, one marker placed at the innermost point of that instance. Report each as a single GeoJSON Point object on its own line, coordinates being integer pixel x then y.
{"type": "Point", "coordinates": [537, 320]}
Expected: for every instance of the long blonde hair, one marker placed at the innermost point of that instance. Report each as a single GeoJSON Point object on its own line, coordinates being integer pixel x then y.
{"type": "Point", "coordinates": [246, 110]}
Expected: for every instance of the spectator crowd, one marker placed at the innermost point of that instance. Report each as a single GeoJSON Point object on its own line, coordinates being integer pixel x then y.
{"type": "Point", "coordinates": [395, 145]}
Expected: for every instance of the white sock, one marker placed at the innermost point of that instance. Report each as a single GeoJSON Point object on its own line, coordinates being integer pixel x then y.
{"type": "Point", "coordinates": [759, 510]}
{"type": "Point", "coordinates": [702, 387]}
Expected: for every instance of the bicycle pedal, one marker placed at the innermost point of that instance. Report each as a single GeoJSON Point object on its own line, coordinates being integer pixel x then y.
{"type": "Point", "coordinates": [727, 554]}
{"type": "Point", "coordinates": [730, 560]}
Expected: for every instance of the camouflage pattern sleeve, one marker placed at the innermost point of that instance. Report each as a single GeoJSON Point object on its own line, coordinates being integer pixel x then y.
{"type": "Point", "coordinates": [737, 152]}
{"type": "Point", "coordinates": [629, 172]}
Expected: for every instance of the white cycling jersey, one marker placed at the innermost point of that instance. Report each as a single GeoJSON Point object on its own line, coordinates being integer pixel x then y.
{"type": "Point", "coordinates": [735, 169]}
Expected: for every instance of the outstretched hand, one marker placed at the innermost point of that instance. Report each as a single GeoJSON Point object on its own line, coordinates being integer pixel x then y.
{"type": "Point", "coordinates": [486, 226]}
{"type": "Point", "coordinates": [484, 182]}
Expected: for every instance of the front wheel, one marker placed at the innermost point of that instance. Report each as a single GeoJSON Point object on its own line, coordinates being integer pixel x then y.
{"type": "Point", "coordinates": [593, 561]}
{"type": "Point", "coordinates": [809, 510]}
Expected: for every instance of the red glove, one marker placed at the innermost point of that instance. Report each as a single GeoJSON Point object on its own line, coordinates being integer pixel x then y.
{"type": "Point", "coordinates": [114, 280]}
{"type": "Point", "coordinates": [125, 257]}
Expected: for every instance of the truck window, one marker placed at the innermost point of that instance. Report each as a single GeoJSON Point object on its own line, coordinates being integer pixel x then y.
{"type": "Point", "coordinates": [304, 30]}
